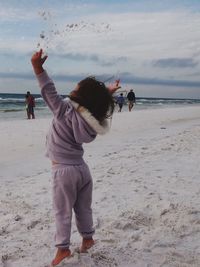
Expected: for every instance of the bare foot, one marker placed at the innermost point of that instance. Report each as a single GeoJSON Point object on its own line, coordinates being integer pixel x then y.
{"type": "Point", "coordinates": [86, 244]}
{"type": "Point", "coordinates": [60, 255]}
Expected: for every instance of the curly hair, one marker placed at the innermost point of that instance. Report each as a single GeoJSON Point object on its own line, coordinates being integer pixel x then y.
{"type": "Point", "coordinates": [94, 96]}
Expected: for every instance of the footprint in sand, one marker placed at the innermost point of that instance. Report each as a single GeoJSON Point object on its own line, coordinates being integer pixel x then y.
{"type": "Point", "coordinates": [111, 171]}
{"type": "Point", "coordinates": [101, 258]}
{"type": "Point", "coordinates": [33, 224]}
{"type": "Point", "coordinates": [108, 241]}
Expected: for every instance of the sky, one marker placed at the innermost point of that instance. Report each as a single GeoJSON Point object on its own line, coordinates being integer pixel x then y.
{"type": "Point", "coordinates": [153, 46]}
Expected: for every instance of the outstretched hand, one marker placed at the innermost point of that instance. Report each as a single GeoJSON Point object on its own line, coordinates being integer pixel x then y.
{"type": "Point", "coordinates": [37, 61]}
{"type": "Point", "coordinates": [114, 87]}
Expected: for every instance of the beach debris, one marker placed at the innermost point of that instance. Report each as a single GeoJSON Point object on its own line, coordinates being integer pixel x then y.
{"type": "Point", "coordinates": [32, 224]}
{"type": "Point", "coordinates": [164, 212]}
{"type": "Point", "coordinates": [54, 31]}
{"type": "Point", "coordinates": [42, 35]}
{"type": "Point", "coordinates": [45, 15]}
{"type": "Point", "coordinates": [4, 257]}
{"type": "Point", "coordinates": [3, 230]}
{"type": "Point", "coordinates": [17, 218]}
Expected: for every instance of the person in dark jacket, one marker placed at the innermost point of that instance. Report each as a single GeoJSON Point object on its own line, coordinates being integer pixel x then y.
{"type": "Point", "coordinates": [131, 99]}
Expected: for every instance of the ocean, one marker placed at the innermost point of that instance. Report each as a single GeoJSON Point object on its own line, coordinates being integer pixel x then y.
{"type": "Point", "coordinates": [12, 106]}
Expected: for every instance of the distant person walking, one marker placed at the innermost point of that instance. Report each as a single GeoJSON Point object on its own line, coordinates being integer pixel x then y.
{"type": "Point", "coordinates": [131, 99]}
{"type": "Point", "coordinates": [30, 104]}
{"type": "Point", "coordinates": [120, 102]}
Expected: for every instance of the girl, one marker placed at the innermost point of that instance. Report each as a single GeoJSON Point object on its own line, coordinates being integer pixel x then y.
{"type": "Point", "coordinates": [76, 121]}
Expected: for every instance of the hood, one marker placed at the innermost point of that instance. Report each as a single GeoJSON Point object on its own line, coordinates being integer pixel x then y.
{"type": "Point", "coordinates": [99, 128]}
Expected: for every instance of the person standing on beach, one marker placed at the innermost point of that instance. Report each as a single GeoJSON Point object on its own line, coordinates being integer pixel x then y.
{"type": "Point", "coordinates": [120, 102]}
{"type": "Point", "coordinates": [76, 121]}
{"type": "Point", "coordinates": [30, 104]}
{"type": "Point", "coordinates": [26, 100]}
{"type": "Point", "coordinates": [131, 99]}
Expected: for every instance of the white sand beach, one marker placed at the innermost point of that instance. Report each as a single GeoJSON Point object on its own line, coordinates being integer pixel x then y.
{"type": "Point", "coordinates": [146, 173]}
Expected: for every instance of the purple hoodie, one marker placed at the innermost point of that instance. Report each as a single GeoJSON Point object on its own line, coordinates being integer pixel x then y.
{"type": "Point", "coordinates": [72, 125]}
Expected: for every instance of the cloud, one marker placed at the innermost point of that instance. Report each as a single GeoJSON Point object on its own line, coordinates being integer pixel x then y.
{"type": "Point", "coordinates": [14, 11]}
{"type": "Point", "coordinates": [31, 76]}
{"type": "Point", "coordinates": [126, 78]}
{"type": "Point", "coordinates": [80, 57]}
{"type": "Point", "coordinates": [175, 63]}
{"type": "Point", "coordinates": [129, 78]}
{"type": "Point", "coordinates": [15, 75]}
{"type": "Point", "coordinates": [170, 41]}
{"type": "Point", "coordinates": [15, 14]}
{"type": "Point", "coordinates": [138, 37]}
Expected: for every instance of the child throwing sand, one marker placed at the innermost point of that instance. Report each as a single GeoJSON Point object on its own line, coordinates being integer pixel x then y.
{"type": "Point", "coordinates": [76, 121]}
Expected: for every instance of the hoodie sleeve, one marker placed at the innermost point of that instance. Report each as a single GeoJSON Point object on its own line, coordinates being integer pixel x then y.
{"type": "Point", "coordinates": [48, 91]}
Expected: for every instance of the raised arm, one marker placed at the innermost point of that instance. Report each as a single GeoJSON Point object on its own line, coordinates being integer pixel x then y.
{"type": "Point", "coordinates": [37, 61]}
{"type": "Point", "coordinates": [114, 87]}
{"type": "Point", "coordinates": [51, 97]}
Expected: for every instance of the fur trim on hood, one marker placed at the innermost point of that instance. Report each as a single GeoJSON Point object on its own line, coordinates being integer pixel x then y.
{"type": "Point", "coordinates": [100, 128]}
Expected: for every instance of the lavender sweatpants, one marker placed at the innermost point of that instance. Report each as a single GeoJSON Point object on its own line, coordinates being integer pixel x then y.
{"type": "Point", "coordinates": [72, 189]}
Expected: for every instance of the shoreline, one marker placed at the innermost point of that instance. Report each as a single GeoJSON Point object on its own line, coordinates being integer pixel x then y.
{"type": "Point", "coordinates": [44, 113]}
